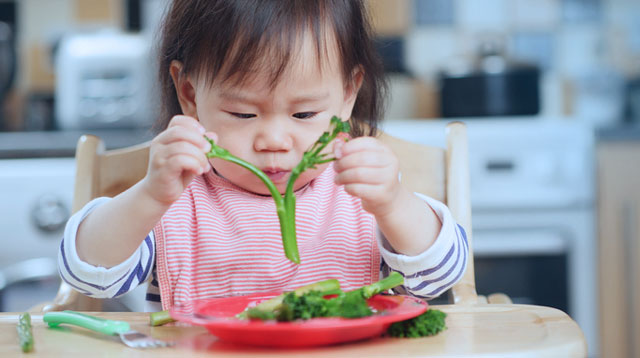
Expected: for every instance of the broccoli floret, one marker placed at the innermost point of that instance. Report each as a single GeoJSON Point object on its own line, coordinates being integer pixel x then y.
{"type": "Point", "coordinates": [349, 305]}
{"type": "Point", "coordinates": [311, 303]}
{"type": "Point", "coordinates": [308, 305]}
{"type": "Point", "coordinates": [426, 324]}
{"type": "Point", "coordinates": [257, 313]}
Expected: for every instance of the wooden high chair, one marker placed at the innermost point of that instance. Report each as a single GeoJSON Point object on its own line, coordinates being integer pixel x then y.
{"type": "Point", "coordinates": [442, 173]}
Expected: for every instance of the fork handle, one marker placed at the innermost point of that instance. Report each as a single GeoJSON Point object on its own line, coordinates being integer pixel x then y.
{"type": "Point", "coordinates": [93, 323]}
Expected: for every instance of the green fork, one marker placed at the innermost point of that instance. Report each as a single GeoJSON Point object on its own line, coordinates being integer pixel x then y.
{"type": "Point", "coordinates": [129, 337]}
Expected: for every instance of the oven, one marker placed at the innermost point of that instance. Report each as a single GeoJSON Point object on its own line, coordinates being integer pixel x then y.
{"type": "Point", "coordinates": [532, 193]}
{"type": "Point", "coordinates": [36, 202]}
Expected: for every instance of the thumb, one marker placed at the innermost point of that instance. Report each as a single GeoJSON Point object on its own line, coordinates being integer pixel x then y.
{"type": "Point", "coordinates": [337, 148]}
{"type": "Point", "coordinates": [212, 135]}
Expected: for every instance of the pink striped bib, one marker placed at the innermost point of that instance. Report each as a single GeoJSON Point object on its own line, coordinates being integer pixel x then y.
{"type": "Point", "coordinates": [218, 240]}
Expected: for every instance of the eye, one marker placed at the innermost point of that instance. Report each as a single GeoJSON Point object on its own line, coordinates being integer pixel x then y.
{"type": "Point", "coordinates": [243, 115]}
{"type": "Point", "coordinates": [304, 115]}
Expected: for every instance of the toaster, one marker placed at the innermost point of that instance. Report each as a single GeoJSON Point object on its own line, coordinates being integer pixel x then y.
{"type": "Point", "coordinates": [104, 80]}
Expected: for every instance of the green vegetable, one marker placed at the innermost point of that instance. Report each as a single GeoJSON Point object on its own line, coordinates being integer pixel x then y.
{"type": "Point", "coordinates": [265, 310]}
{"type": "Point", "coordinates": [312, 304]}
{"type": "Point", "coordinates": [427, 324]}
{"type": "Point", "coordinates": [25, 333]}
{"type": "Point", "coordinates": [286, 205]}
{"type": "Point", "coordinates": [160, 318]}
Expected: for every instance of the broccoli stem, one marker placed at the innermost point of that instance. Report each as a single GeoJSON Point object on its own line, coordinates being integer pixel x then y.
{"type": "Point", "coordinates": [25, 334]}
{"type": "Point", "coordinates": [394, 279]}
{"type": "Point", "coordinates": [286, 205]}
{"type": "Point", "coordinates": [160, 318]}
{"type": "Point", "coordinates": [286, 228]}
{"type": "Point", "coordinates": [325, 287]}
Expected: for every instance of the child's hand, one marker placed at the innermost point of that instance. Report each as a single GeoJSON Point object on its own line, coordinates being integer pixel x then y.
{"type": "Point", "coordinates": [368, 169]}
{"type": "Point", "coordinates": [176, 156]}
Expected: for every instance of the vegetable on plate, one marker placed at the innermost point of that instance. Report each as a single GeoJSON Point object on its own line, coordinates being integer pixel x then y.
{"type": "Point", "coordinates": [313, 304]}
{"type": "Point", "coordinates": [308, 303]}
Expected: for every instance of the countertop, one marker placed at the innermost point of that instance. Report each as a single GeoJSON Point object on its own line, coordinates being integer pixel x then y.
{"type": "Point", "coordinates": [472, 331]}
{"type": "Point", "coordinates": [47, 144]}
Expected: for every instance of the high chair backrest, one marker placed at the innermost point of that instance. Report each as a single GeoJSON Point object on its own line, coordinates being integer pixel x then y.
{"type": "Point", "coordinates": [442, 173]}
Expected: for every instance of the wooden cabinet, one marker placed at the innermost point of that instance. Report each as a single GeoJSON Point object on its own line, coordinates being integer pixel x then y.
{"type": "Point", "coordinates": [390, 18]}
{"type": "Point", "coordinates": [619, 247]}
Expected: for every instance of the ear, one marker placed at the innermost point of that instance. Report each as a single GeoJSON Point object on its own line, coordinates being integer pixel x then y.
{"type": "Point", "coordinates": [351, 89]}
{"type": "Point", "coordinates": [185, 89]}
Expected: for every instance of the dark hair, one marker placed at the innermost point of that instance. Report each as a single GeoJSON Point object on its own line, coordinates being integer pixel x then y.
{"type": "Point", "coordinates": [226, 39]}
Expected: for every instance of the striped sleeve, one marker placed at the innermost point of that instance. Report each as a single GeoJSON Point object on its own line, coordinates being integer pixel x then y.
{"type": "Point", "coordinates": [101, 282]}
{"type": "Point", "coordinates": [438, 268]}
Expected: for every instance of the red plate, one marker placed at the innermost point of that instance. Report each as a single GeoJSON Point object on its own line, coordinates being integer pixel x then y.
{"type": "Point", "coordinates": [218, 316]}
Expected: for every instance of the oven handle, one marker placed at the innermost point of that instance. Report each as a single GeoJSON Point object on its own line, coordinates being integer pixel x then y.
{"type": "Point", "coordinates": [28, 270]}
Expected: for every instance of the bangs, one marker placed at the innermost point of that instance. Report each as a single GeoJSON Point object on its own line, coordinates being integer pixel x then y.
{"type": "Point", "coordinates": [232, 40]}
{"type": "Point", "coordinates": [264, 41]}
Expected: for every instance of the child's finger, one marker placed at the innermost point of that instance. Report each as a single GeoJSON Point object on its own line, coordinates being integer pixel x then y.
{"type": "Point", "coordinates": [361, 144]}
{"type": "Point", "coordinates": [183, 134]}
{"type": "Point", "coordinates": [184, 148]}
{"type": "Point", "coordinates": [337, 148]}
{"type": "Point", "coordinates": [183, 162]}
{"type": "Point", "coordinates": [186, 121]}
{"type": "Point", "coordinates": [362, 175]}
{"type": "Point", "coordinates": [366, 192]}
{"type": "Point", "coordinates": [212, 135]}
{"type": "Point", "coordinates": [362, 159]}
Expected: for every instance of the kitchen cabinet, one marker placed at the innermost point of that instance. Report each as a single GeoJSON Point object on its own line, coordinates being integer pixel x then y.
{"type": "Point", "coordinates": [619, 244]}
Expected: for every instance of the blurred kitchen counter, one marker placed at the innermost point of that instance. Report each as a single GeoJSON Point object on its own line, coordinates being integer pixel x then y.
{"type": "Point", "coordinates": [47, 144]}
{"type": "Point", "coordinates": [622, 132]}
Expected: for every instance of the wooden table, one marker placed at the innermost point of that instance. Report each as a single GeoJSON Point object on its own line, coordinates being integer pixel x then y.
{"type": "Point", "coordinates": [479, 330]}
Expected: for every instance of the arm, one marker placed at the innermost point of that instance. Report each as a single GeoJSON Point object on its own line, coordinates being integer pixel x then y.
{"type": "Point", "coordinates": [412, 226]}
{"type": "Point", "coordinates": [432, 272]}
{"type": "Point", "coordinates": [113, 231]}
{"type": "Point", "coordinates": [101, 282]}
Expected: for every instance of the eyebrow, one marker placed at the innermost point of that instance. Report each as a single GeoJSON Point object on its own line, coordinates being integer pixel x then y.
{"type": "Point", "coordinates": [238, 97]}
{"type": "Point", "coordinates": [241, 97]}
{"type": "Point", "coordinates": [311, 97]}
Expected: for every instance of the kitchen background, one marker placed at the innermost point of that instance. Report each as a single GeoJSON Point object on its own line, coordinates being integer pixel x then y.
{"type": "Point", "coordinates": [549, 89]}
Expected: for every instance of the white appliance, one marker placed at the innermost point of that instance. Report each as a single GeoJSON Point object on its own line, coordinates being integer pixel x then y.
{"type": "Point", "coordinates": [533, 212]}
{"type": "Point", "coordinates": [105, 80]}
{"type": "Point", "coordinates": [36, 202]}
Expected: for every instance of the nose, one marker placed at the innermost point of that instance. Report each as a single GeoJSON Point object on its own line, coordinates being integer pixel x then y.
{"type": "Point", "coordinates": [273, 136]}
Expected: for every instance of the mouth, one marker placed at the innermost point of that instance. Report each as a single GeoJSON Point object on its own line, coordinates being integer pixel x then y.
{"type": "Point", "coordinates": [277, 174]}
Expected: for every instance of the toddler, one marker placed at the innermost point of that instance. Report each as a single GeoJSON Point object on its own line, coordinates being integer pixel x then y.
{"type": "Point", "coordinates": [263, 79]}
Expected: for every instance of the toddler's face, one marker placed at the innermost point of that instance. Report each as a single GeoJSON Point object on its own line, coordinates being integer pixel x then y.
{"type": "Point", "coordinates": [272, 127]}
